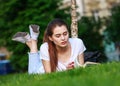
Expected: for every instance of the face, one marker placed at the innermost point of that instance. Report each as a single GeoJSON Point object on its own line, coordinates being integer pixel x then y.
{"type": "Point", "coordinates": [60, 36]}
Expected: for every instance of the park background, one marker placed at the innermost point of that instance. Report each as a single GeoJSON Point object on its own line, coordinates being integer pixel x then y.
{"type": "Point", "coordinates": [98, 26]}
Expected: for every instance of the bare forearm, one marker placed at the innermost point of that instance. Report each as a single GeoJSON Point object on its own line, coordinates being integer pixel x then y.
{"type": "Point", "coordinates": [81, 59]}
{"type": "Point", "coordinates": [46, 65]}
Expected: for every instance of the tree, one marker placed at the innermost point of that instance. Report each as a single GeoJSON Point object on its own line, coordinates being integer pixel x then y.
{"type": "Point", "coordinates": [113, 24]}
{"type": "Point", "coordinates": [74, 25]}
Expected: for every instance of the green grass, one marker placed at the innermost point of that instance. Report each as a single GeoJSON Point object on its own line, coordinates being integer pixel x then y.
{"type": "Point", "coordinates": [107, 74]}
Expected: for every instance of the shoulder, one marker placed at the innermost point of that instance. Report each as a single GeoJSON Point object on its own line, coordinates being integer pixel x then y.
{"type": "Point", "coordinates": [44, 46]}
{"type": "Point", "coordinates": [44, 54]}
{"type": "Point", "coordinates": [75, 40]}
{"type": "Point", "coordinates": [77, 43]}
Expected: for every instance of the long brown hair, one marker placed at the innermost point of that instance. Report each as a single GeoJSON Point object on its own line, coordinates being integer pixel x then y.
{"type": "Point", "coordinates": [51, 46]}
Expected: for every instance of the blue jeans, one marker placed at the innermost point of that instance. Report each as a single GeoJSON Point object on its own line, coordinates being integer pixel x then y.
{"type": "Point", "coordinates": [35, 65]}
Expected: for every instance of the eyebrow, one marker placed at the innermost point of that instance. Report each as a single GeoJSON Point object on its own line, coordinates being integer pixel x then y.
{"type": "Point", "coordinates": [63, 32]}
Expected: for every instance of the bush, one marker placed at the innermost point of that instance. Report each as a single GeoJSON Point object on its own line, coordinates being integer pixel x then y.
{"type": "Point", "coordinates": [16, 15]}
{"type": "Point", "coordinates": [89, 32]}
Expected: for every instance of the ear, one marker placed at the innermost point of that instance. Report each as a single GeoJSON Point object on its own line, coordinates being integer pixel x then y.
{"type": "Point", "coordinates": [50, 38]}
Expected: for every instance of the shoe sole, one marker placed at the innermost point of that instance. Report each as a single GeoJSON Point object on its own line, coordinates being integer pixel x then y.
{"type": "Point", "coordinates": [21, 37]}
{"type": "Point", "coordinates": [20, 34]}
{"type": "Point", "coordinates": [35, 28]}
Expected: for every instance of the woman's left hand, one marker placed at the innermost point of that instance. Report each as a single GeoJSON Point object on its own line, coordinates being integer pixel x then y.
{"type": "Point", "coordinates": [70, 66]}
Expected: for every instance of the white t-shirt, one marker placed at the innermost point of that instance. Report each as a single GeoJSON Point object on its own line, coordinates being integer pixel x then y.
{"type": "Point", "coordinates": [77, 48]}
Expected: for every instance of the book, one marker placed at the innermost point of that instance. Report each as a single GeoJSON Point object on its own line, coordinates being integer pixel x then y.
{"type": "Point", "coordinates": [87, 63]}
{"type": "Point", "coordinates": [90, 64]}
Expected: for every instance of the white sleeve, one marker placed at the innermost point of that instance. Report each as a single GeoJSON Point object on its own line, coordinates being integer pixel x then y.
{"type": "Point", "coordinates": [44, 54]}
{"type": "Point", "coordinates": [81, 46]}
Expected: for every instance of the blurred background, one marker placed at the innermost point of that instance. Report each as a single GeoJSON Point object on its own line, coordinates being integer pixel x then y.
{"type": "Point", "coordinates": [98, 26]}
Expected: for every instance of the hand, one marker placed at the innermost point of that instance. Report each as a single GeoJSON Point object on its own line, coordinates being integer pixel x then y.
{"type": "Point", "coordinates": [70, 66]}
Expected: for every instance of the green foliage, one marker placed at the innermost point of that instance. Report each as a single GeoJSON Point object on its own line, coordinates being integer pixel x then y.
{"type": "Point", "coordinates": [113, 24]}
{"type": "Point", "coordinates": [17, 15]}
{"type": "Point", "coordinates": [89, 32]}
{"type": "Point", "coordinates": [98, 75]}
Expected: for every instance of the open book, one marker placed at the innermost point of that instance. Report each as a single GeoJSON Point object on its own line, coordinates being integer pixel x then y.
{"type": "Point", "coordinates": [89, 64]}
{"type": "Point", "coordinates": [77, 64]}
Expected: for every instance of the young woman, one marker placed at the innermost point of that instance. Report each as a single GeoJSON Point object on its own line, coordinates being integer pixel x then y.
{"type": "Point", "coordinates": [57, 53]}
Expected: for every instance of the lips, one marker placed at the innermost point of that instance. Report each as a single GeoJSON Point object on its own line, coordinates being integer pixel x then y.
{"type": "Point", "coordinates": [63, 43]}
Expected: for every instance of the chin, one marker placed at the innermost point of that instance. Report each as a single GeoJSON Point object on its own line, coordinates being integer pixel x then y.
{"type": "Point", "coordinates": [63, 45]}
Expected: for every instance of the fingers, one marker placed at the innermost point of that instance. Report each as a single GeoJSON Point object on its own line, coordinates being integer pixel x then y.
{"type": "Point", "coordinates": [70, 66]}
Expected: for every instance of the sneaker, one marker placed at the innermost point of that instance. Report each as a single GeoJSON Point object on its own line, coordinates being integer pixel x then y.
{"type": "Point", "coordinates": [21, 37]}
{"type": "Point", "coordinates": [34, 31]}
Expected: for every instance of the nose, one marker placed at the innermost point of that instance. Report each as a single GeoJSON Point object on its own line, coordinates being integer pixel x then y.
{"type": "Point", "coordinates": [62, 37]}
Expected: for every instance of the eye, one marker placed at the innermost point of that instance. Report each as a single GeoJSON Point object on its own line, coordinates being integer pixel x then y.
{"type": "Point", "coordinates": [58, 35]}
{"type": "Point", "coordinates": [65, 33]}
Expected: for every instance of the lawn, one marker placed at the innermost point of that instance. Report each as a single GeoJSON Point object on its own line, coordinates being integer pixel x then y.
{"type": "Point", "coordinates": [107, 74]}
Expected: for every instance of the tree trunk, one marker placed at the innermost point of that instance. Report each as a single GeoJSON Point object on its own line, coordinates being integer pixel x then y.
{"type": "Point", "coordinates": [74, 25]}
